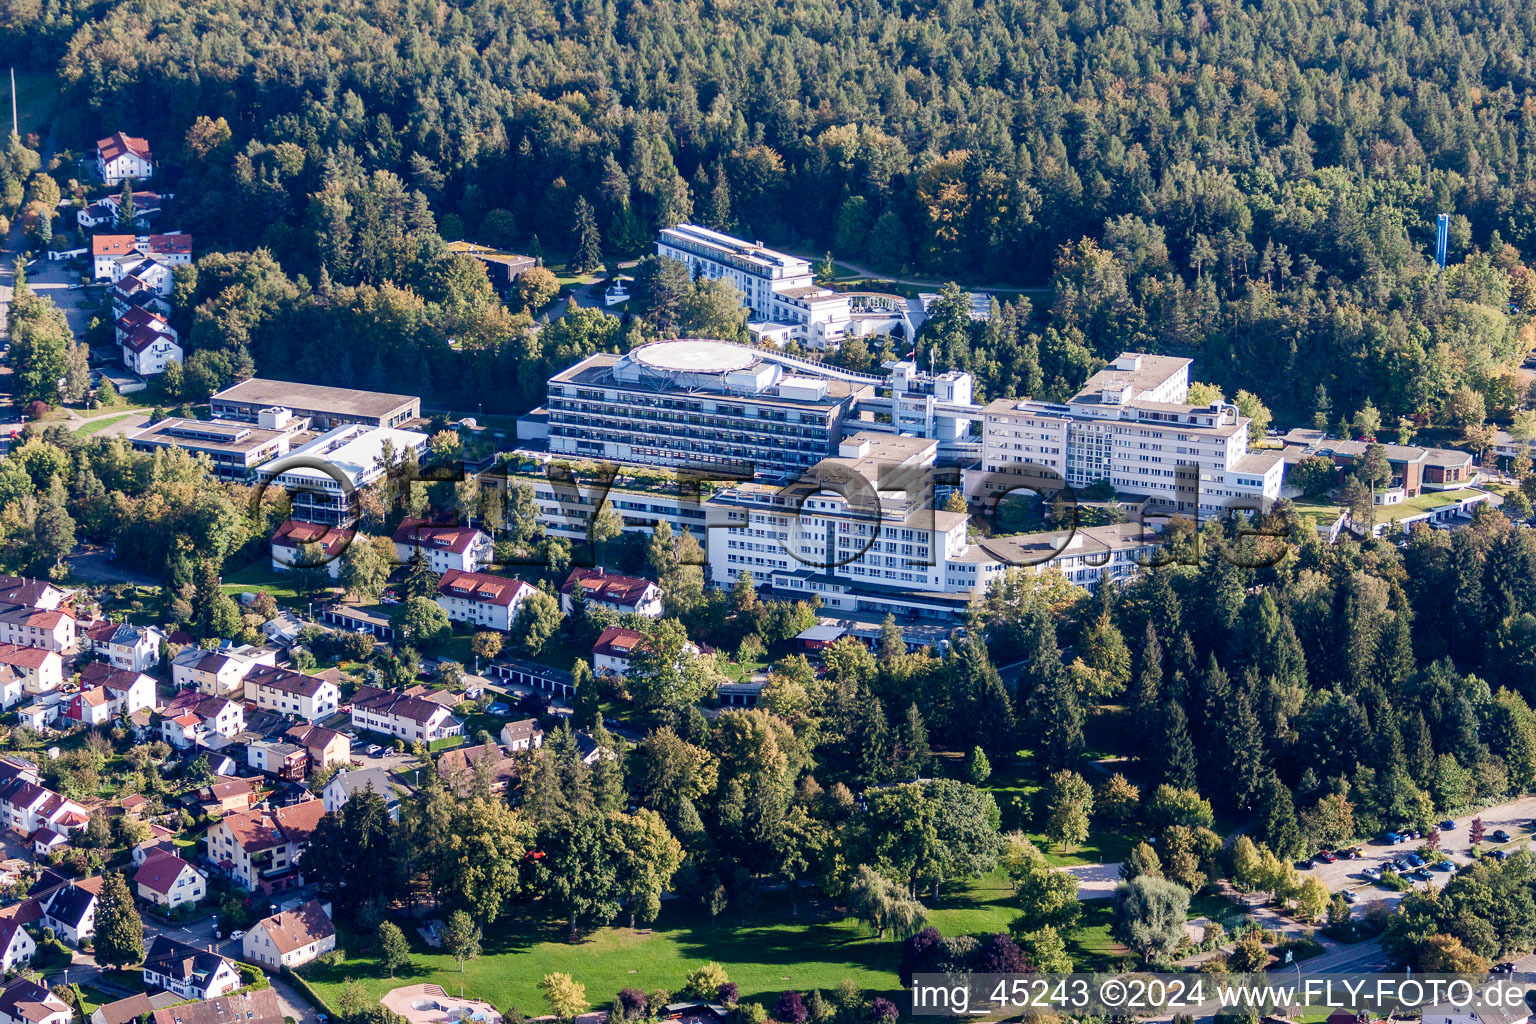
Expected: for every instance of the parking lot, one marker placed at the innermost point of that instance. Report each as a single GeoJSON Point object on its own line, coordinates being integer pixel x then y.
{"type": "Point", "coordinates": [1514, 818]}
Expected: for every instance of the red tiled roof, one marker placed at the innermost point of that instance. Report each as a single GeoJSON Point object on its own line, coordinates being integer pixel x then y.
{"type": "Point", "coordinates": [160, 873]}
{"type": "Point", "coordinates": [25, 657]}
{"type": "Point", "coordinates": [292, 534]}
{"type": "Point", "coordinates": [610, 588]}
{"type": "Point", "coordinates": [116, 144]}
{"type": "Point", "coordinates": [618, 642]}
{"type": "Point", "coordinates": [481, 587]}
{"type": "Point", "coordinates": [437, 536]}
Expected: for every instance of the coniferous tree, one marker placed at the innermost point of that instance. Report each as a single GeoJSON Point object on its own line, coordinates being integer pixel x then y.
{"type": "Point", "coordinates": [1176, 752]}
{"type": "Point", "coordinates": [586, 243]}
{"type": "Point", "coordinates": [119, 938]}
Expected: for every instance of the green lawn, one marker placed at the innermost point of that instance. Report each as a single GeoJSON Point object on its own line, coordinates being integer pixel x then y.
{"type": "Point", "coordinates": [260, 576]}
{"type": "Point", "coordinates": [1015, 788]}
{"type": "Point", "coordinates": [101, 423]}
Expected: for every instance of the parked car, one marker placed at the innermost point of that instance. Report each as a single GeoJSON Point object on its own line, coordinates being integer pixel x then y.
{"type": "Point", "coordinates": [1499, 836]}
{"type": "Point", "coordinates": [1412, 833]}
{"type": "Point", "coordinates": [1374, 874]}
{"type": "Point", "coordinates": [1414, 860]}
{"type": "Point", "coordinates": [1422, 875]}
{"type": "Point", "coordinates": [1326, 857]}
{"type": "Point", "coordinates": [373, 750]}
{"type": "Point", "coordinates": [238, 933]}
{"type": "Point", "coordinates": [1498, 855]}
{"type": "Point", "coordinates": [1349, 895]}
{"type": "Point", "coordinates": [1504, 968]}
{"type": "Point", "coordinates": [1447, 825]}
{"type": "Point", "coordinates": [1392, 838]}
{"type": "Point", "coordinates": [1353, 853]}
{"type": "Point", "coordinates": [1444, 865]}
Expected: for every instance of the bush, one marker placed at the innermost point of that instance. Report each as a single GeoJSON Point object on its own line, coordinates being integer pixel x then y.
{"type": "Point", "coordinates": [790, 1009]}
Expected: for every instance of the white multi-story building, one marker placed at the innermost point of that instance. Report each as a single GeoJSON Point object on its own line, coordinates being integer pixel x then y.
{"type": "Point", "coordinates": [860, 532]}
{"type": "Point", "coordinates": [120, 156]}
{"type": "Point", "coordinates": [394, 713]}
{"type": "Point", "coordinates": [444, 545]}
{"type": "Point", "coordinates": [114, 257]}
{"type": "Point", "coordinates": [323, 475]}
{"type": "Point", "coordinates": [1131, 426]}
{"type": "Point", "coordinates": [702, 403]}
{"type": "Point", "coordinates": [490, 602]}
{"type": "Point", "coordinates": [779, 290]}
{"type": "Point", "coordinates": [292, 693]}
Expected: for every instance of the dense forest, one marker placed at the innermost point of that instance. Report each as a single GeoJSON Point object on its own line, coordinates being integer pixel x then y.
{"type": "Point", "coordinates": [1253, 184]}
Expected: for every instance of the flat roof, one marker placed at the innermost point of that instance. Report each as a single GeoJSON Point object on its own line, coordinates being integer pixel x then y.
{"type": "Point", "coordinates": [205, 435]}
{"type": "Point", "coordinates": [259, 391]}
{"type": "Point", "coordinates": [352, 449]}
{"type": "Point", "coordinates": [1135, 370]}
{"type": "Point", "coordinates": [695, 355]}
{"type": "Point", "coordinates": [597, 371]}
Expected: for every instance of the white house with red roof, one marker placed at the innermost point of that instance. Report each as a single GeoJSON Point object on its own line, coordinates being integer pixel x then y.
{"type": "Point", "coordinates": [310, 697]}
{"type": "Point", "coordinates": [115, 257]}
{"type": "Point", "coordinates": [616, 648]}
{"type": "Point", "coordinates": [108, 210]}
{"type": "Point", "coordinates": [192, 717]}
{"type": "Point", "coordinates": [481, 599]}
{"type": "Point", "coordinates": [41, 670]}
{"type": "Point", "coordinates": [49, 628]}
{"type": "Point", "coordinates": [26, 805]}
{"type": "Point", "coordinates": [146, 341]}
{"type": "Point", "coordinates": [120, 156]}
{"type": "Point", "coordinates": [169, 881]}
{"type": "Point", "coordinates": [464, 548]}
{"type": "Point", "coordinates": [627, 595]}
{"type": "Point", "coordinates": [411, 718]}
{"type": "Point", "coordinates": [109, 693]}
{"type": "Point", "coordinates": [290, 539]}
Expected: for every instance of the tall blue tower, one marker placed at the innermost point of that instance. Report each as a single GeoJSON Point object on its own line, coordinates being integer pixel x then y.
{"type": "Point", "coordinates": [1442, 237]}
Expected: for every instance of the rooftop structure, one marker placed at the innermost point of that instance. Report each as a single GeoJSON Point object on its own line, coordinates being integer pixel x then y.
{"type": "Point", "coordinates": [234, 449]}
{"type": "Point", "coordinates": [350, 456]}
{"type": "Point", "coordinates": [324, 407]}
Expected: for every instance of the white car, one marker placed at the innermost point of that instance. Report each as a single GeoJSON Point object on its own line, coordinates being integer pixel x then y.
{"type": "Point", "coordinates": [238, 933]}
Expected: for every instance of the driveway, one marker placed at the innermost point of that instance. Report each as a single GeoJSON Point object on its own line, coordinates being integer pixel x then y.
{"type": "Point", "coordinates": [92, 565]}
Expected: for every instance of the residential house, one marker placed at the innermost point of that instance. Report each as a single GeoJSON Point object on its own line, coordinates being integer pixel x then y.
{"type": "Point", "coordinates": [107, 211]}
{"type": "Point", "coordinates": [90, 706]}
{"type": "Point", "coordinates": [119, 157]}
{"type": "Point", "coordinates": [149, 849]}
{"type": "Point", "coordinates": [190, 718]}
{"type": "Point", "coordinates": [300, 545]}
{"type": "Point", "coordinates": [522, 735]}
{"type": "Point", "coordinates": [291, 938]}
{"type": "Point", "coordinates": [147, 351]}
{"type": "Point", "coordinates": [128, 690]}
{"type": "Point", "coordinates": [310, 697]}
{"type": "Point", "coordinates": [1474, 1012]}
{"type": "Point", "coordinates": [325, 747]}
{"type": "Point", "coordinates": [41, 670]}
{"type": "Point", "coordinates": [26, 806]}
{"type": "Point", "coordinates": [286, 761]}
{"type": "Point", "coordinates": [395, 714]}
{"type": "Point", "coordinates": [188, 971]}
{"type": "Point", "coordinates": [464, 768]}
{"type": "Point", "coordinates": [16, 945]}
{"type": "Point", "coordinates": [219, 673]}
{"type": "Point", "coordinates": [23, 1001]}
{"type": "Point", "coordinates": [616, 648]}
{"type": "Point", "coordinates": [132, 293]}
{"type": "Point", "coordinates": [149, 258]}
{"type": "Point", "coordinates": [257, 1007]}
{"type": "Point", "coordinates": [50, 628]}
{"type": "Point", "coordinates": [347, 783]}
{"type": "Point", "coordinates": [228, 795]}
{"type": "Point", "coordinates": [444, 546]}
{"type": "Point", "coordinates": [12, 687]}
{"type": "Point", "coordinates": [127, 1010]}
{"type": "Point", "coordinates": [170, 882]}
{"type": "Point", "coordinates": [491, 602]}
{"type": "Point", "coordinates": [69, 907]}
{"type": "Point", "coordinates": [126, 646]}
{"type": "Point", "coordinates": [604, 589]}
{"type": "Point", "coordinates": [34, 593]}
{"type": "Point", "coordinates": [261, 849]}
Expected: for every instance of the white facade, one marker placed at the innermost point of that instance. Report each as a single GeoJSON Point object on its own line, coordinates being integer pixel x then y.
{"type": "Point", "coordinates": [349, 452]}
{"type": "Point", "coordinates": [491, 602]}
{"type": "Point", "coordinates": [1131, 426]}
{"type": "Point", "coordinates": [293, 693]}
{"type": "Point", "coordinates": [120, 156]}
{"type": "Point", "coordinates": [778, 289]}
